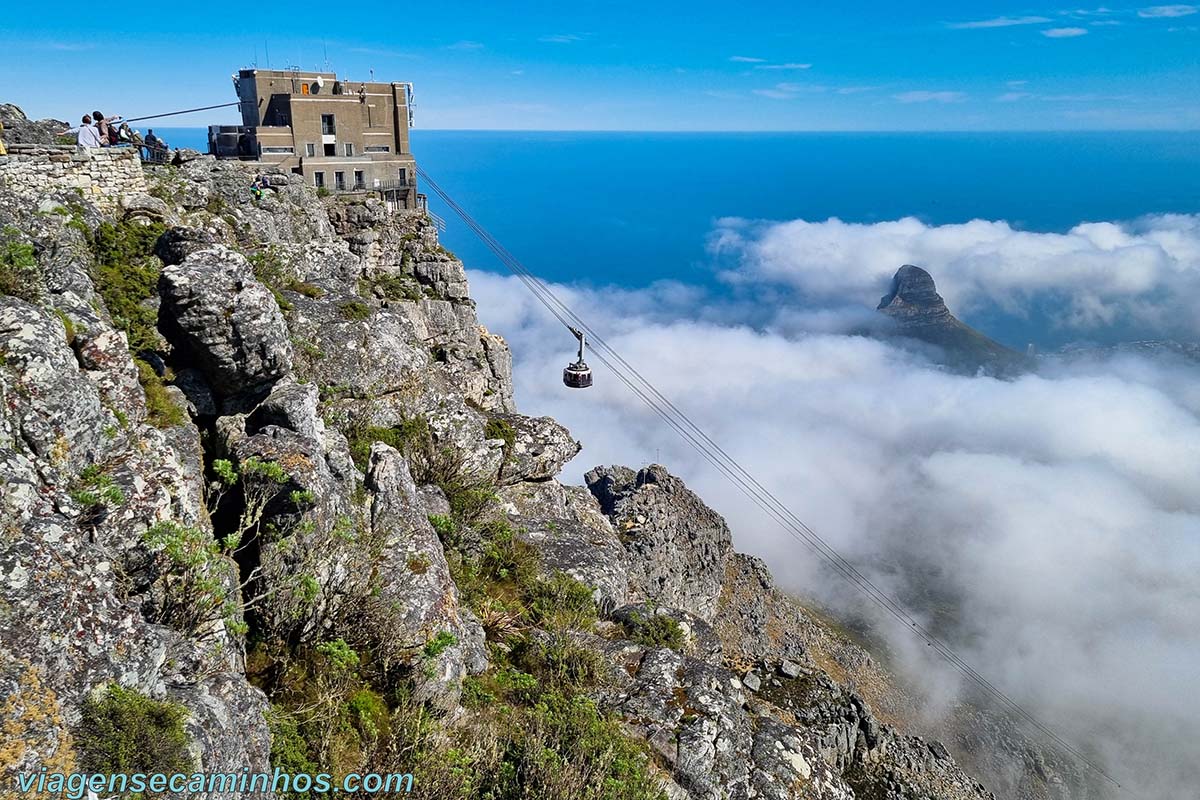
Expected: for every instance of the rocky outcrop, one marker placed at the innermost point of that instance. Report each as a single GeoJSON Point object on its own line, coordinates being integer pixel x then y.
{"type": "Point", "coordinates": [416, 600]}
{"type": "Point", "coordinates": [920, 313]}
{"type": "Point", "coordinates": [228, 322]}
{"type": "Point", "coordinates": [677, 545]}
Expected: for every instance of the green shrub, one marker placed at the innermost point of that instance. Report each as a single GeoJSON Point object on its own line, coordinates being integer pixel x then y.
{"type": "Point", "coordinates": [354, 310]}
{"type": "Point", "coordinates": [561, 602]}
{"type": "Point", "coordinates": [438, 644]}
{"type": "Point", "coordinates": [289, 750]}
{"type": "Point", "coordinates": [196, 578]}
{"type": "Point", "coordinates": [562, 663]}
{"type": "Point", "coordinates": [161, 410]}
{"type": "Point", "coordinates": [123, 731]}
{"type": "Point", "coordinates": [127, 276]}
{"type": "Point", "coordinates": [19, 273]}
{"type": "Point", "coordinates": [391, 287]}
{"type": "Point", "coordinates": [506, 557]}
{"type": "Point", "coordinates": [658, 630]}
{"type": "Point", "coordinates": [93, 489]}
{"type": "Point", "coordinates": [444, 526]}
{"type": "Point", "coordinates": [402, 437]}
{"type": "Point", "coordinates": [502, 429]}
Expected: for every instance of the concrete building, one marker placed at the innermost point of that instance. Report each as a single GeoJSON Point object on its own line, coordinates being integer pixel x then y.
{"type": "Point", "coordinates": [343, 136]}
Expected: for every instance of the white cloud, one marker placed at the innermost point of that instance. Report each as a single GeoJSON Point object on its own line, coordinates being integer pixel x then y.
{"type": "Point", "coordinates": [465, 45]}
{"type": "Point", "coordinates": [747, 59]}
{"type": "Point", "coordinates": [857, 89]}
{"type": "Point", "coordinates": [1144, 273]}
{"type": "Point", "coordinates": [1055, 515]}
{"type": "Point", "coordinates": [1156, 12]}
{"type": "Point", "coordinates": [775, 94]}
{"type": "Point", "coordinates": [1012, 97]}
{"type": "Point", "coordinates": [789, 65]}
{"type": "Point", "coordinates": [561, 38]}
{"type": "Point", "coordinates": [998, 22]}
{"type": "Point", "coordinates": [788, 90]}
{"type": "Point", "coordinates": [1064, 33]}
{"type": "Point", "coordinates": [930, 97]}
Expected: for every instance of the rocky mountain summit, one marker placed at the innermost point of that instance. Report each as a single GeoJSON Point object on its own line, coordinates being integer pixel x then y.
{"type": "Point", "coordinates": [268, 502]}
{"type": "Point", "coordinates": [920, 313]}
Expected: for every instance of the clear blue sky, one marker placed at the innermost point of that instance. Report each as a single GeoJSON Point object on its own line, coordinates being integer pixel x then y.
{"type": "Point", "coordinates": [698, 65]}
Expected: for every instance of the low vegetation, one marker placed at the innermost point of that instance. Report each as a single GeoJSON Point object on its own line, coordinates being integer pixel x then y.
{"type": "Point", "coordinates": [273, 272]}
{"type": "Point", "coordinates": [19, 273]}
{"type": "Point", "coordinates": [655, 630]}
{"type": "Point", "coordinates": [122, 731]}
{"type": "Point", "coordinates": [126, 276]}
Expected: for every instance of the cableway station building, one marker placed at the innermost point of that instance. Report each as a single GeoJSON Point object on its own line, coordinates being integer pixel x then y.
{"type": "Point", "coordinates": [342, 136]}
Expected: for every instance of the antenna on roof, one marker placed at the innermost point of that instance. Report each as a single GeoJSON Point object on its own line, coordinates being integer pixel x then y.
{"type": "Point", "coordinates": [325, 54]}
{"type": "Point", "coordinates": [268, 47]}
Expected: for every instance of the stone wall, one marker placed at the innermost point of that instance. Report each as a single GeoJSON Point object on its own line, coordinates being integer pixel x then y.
{"type": "Point", "coordinates": [102, 175]}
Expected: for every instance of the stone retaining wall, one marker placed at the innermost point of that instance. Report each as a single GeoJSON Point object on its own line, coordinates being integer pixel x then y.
{"type": "Point", "coordinates": [102, 175]}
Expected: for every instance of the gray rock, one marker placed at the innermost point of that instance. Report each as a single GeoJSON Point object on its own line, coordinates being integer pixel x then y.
{"type": "Point", "coordinates": [540, 448]}
{"type": "Point", "coordinates": [790, 669]}
{"type": "Point", "coordinates": [678, 546]}
{"type": "Point", "coordinates": [215, 310]}
{"type": "Point", "coordinates": [416, 601]}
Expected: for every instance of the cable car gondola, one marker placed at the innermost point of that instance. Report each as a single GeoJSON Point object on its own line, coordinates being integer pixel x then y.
{"type": "Point", "coordinates": [578, 375]}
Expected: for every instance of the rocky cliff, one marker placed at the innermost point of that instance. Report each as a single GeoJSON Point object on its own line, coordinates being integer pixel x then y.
{"type": "Point", "coordinates": [266, 493]}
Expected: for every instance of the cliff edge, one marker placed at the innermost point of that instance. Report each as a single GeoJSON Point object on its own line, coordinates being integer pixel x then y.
{"type": "Point", "coordinates": [266, 492]}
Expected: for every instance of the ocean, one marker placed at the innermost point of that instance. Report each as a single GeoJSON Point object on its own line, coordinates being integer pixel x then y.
{"type": "Point", "coordinates": [630, 209]}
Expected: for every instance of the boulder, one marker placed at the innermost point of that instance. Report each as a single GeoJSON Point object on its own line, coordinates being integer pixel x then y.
{"type": "Point", "coordinates": [215, 310]}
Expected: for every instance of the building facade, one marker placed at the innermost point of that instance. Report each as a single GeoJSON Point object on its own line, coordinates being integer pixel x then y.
{"type": "Point", "coordinates": [342, 136]}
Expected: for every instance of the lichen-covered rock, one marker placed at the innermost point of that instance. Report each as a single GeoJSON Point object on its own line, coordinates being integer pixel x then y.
{"type": "Point", "coordinates": [572, 535]}
{"type": "Point", "coordinates": [539, 448]}
{"type": "Point", "coordinates": [228, 321]}
{"type": "Point", "coordinates": [678, 546]}
{"type": "Point", "coordinates": [414, 613]}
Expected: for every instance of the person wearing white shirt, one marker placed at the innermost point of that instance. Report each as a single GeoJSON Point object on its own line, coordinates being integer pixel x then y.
{"type": "Point", "coordinates": [86, 134]}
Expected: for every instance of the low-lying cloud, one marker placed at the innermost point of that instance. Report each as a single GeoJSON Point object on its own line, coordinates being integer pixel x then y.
{"type": "Point", "coordinates": [1143, 274]}
{"type": "Point", "coordinates": [1049, 524]}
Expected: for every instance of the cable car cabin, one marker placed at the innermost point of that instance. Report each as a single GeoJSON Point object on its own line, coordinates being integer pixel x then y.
{"type": "Point", "coordinates": [578, 375]}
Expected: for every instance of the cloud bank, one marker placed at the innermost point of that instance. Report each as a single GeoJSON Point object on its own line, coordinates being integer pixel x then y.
{"type": "Point", "coordinates": [1049, 525]}
{"type": "Point", "coordinates": [1144, 274]}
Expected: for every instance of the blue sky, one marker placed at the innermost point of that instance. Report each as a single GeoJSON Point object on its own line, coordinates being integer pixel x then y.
{"type": "Point", "coordinates": [617, 65]}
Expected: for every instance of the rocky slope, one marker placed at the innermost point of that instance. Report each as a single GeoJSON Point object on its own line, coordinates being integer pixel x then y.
{"type": "Point", "coordinates": [262, 464]}
{"type": "Point", "coordinates": [920, 313]}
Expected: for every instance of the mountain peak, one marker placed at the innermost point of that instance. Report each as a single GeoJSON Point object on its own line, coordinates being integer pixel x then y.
{"type": "Point", "coordinates": [921, 313]}
{"type": "Point", "coordinates": [913, 298]}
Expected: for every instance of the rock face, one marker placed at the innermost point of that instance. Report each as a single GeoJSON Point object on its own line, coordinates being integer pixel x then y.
{"type": "Point", "coordinates": [677, 545]}
{"type": "Point", "coordinates": [332, 425]}
{"type": "Point", "coordinates": [227, 320]}
{"type": "Point", "coordinates": [920, 313]}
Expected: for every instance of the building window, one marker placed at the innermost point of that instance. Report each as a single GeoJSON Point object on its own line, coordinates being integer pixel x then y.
{"type": "Point", "coordinates": [319, 180]}
{"type": "Point", "coordinates": [403, 176]}
{"type": "Point", "coordinates": [330, 149]}
{"type": "Point", "coordinates": [349, 149]}
{"type": "Point", "coordinates": [378, 148]}
{"type": "Point", "coordinates": [277, 150]}
{"type": "Point", "coordinates": [328, 128]}
{"type": "Point", "coordinates": [359, 181]}
{"type": "Point", "coordinates": [310, 149]}
{"type": "Point", "coordinates": [339, 181]}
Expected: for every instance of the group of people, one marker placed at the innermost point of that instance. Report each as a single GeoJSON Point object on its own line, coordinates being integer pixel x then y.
{"type": "Point", "coordinates": [97, 130]}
